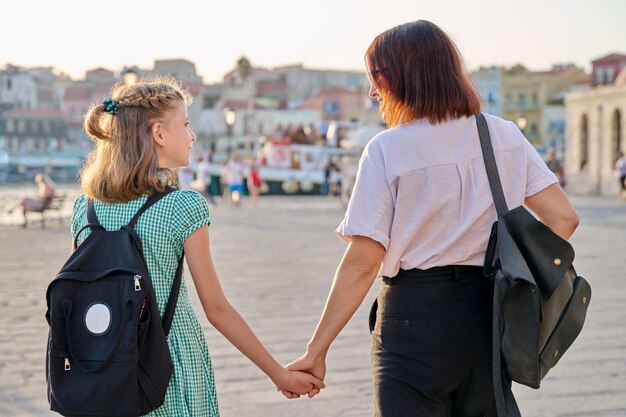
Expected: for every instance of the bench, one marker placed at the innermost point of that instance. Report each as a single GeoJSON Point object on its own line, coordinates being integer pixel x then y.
{"type": "Point", "coordinates": [51, 204]}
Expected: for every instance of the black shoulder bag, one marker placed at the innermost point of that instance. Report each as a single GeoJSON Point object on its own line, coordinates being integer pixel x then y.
{"type": "Point", "coordinates": [539, 302]}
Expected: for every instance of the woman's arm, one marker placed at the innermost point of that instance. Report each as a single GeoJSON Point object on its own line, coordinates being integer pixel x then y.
{"type": "Point", "coordinates": [227, 320]}
{"type": "Point", "coordinates": [353, 279]}
{"type": "Point", "coordinates": [553, 208]}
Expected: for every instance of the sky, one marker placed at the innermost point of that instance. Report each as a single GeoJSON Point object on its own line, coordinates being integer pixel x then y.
{"type": "Point", "coordinates": [77, 35]}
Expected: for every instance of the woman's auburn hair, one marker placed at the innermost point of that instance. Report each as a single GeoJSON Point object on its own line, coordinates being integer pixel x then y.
{"type": "Point", "coordinates": [419, 73]}
{"type": "Point", "coordinates": [123, 164]}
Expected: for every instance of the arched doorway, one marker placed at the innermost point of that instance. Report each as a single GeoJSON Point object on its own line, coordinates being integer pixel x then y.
{"type": "Point", "coordinates": [584, 143]}
{"type": "Point", "coordinates": [616, 136]}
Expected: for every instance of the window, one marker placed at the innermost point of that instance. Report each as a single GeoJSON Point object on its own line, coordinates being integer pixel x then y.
{"type": "Point", "coordinates": [9, 83]}
{"type": "Point", "coordinates": [600, 76]}
{"type": "Point", "coordinates": [353, 80]}
{"type": "Point", "coordinates": [522, 99]}
{"type": "Point", "coordinates": [610, 75]}
{"type": "Point", "coordinates": [21, 126]}
{"type": "Point", "coordinates": [10, 125]}
{"type": "Point", "coordinates": [331, 106]}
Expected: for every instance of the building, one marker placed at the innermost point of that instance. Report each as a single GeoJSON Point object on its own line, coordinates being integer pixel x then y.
{"type": "Point", "coordinates": [303, 83]}
{"type": "Point", "coordinates": [534, 101]}
{"type": "Point", "coordinates": [595, 129]}
{"type": "Point", "coordinates": [336, 104]}
{"type": "Point", "coordinates": [489, 84]}
{"type": "Point", "coordinates": [605, 69]}
{"type": "Point", "coordinates": [524, 93]}
{"type": "Point", "coordinates": [37, 140]}
{"type": "Point", "coordinates": [181, 69]}
{"type": "Point", "coordinates": [17, 89]}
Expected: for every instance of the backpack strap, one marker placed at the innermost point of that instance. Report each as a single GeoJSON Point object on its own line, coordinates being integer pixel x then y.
{"type": "Point", "coordinates": [505, 401]}
{"type": "Point", "coordinates": [92, 221]}
{"type": "Point", "coordinates": [168, 315]}
{"type": "Point", "coordinates": [153, 199]}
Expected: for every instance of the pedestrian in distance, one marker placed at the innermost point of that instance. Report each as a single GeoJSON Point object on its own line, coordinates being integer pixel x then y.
{"type": "Point", "coordinates": [204, 179]}
{"type": "Point", "coordinates": [620, 167]}
{"type": "Point", "coordinates": [235, 171]}
{"type": "Point", "coordinates": [142, 136]}
{"type": "Point", "coordinates": [420, 216]}
{"type": "Point", "coordinates": [46, 191]}
{"type": "Point", "coordinates": [254, 181]}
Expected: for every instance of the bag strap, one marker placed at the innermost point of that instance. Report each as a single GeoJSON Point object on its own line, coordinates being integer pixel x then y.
{"type": "Point", "coordinates": [505, 401]}
{"type": "Point", "coordinates": [152, 200]}
{"type": "Point", "coordinates": [92, 218]}
{"type": "Point", "coordinates": [168, 315]}
{"type": "Point", "coordinates": [490, 165]}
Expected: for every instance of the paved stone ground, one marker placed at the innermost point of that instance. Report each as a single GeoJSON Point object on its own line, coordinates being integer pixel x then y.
{"type": "Point", "coordinates": [276, 264]}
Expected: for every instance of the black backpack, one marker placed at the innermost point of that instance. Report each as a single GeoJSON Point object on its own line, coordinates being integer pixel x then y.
{"type": "Point", "coordinates": [540, 302]}
{"type": "Point", "coordinates": [107, 352]}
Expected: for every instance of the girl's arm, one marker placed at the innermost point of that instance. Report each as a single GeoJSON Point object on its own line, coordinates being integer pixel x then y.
{"type": "Point", "coordinates": [227, 320]}
{"type": "Point", "coordinates": [353, 279]}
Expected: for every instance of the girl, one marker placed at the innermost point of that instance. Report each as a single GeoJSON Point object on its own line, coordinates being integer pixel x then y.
{"type": "Point", "coordinates": [142, 135]}
{"type": "Point", "coordinates": [420, 215]}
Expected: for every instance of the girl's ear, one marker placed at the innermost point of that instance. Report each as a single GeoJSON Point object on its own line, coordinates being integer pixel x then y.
{"type": "Point", "coordinates": [156, 131]}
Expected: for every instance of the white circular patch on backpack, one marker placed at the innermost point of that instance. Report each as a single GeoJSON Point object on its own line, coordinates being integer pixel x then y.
{"type": "Point", "coordinates": [98, 318]}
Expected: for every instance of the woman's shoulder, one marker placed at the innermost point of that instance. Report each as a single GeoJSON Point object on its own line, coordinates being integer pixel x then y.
{"type": "Point", "coordinates": [504, 133]}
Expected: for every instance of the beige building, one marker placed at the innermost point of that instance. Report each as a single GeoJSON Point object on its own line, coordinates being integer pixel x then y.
{"type": "Point", "coordinates": [595, 130]}
{"type": "Point", "coordinates": [528, 94]}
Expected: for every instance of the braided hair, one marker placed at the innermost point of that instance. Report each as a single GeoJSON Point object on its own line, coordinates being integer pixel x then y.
{"type": "Point", "coordinates": [123, 165]}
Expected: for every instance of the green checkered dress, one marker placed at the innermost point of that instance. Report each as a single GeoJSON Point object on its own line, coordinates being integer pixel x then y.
{"type": "Point", "coordinates": [163, 229]}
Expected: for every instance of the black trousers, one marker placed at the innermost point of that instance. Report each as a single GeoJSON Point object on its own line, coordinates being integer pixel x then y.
{"type": "Point", "coordinates": [431, 344]}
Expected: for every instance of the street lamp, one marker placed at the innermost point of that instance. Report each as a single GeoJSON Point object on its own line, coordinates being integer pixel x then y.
{"type": "Point", "coordinates": [229, 118]}
{"type": "Point", "coordinates": [130, 76]}
{"type": "Point", "coordinates": [522, 122]}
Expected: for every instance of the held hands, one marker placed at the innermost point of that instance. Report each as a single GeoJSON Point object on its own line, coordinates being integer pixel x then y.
{"type": "Point", "coordinates": [312, 365]}
{"type": "Point", "coordinates": [293, 383]}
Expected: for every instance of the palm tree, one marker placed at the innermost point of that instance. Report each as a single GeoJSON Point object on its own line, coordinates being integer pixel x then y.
{"type": "Point", "coordinates": [244, 68]}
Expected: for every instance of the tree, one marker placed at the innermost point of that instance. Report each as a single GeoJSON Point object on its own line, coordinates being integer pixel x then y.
{"type": "Point", "coordinates": [244, 67]}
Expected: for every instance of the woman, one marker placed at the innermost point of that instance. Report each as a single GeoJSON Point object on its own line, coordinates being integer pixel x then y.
{"type": "Point", "coordinates": [142, 136]}
{"type": "Point", "coordinates": [420, 215]}
{"type": "Point", "coordinates": [46, 191]}
{"type": "Point", "coordinates": [254, 181]}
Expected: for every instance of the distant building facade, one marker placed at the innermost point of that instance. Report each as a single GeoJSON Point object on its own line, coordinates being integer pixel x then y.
{"type": "Point", "coordinates": [489, 84]}
{"type": "Point", "coordinates": [605, 69]}
{"type": "Point", "coordinates": [595, 132]}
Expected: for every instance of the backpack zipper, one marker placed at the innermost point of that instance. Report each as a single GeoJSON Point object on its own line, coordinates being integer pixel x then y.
{"type": "Point", "coordinates": [68, 367]}
{"type": "Point", "coordinates": [137, 283]}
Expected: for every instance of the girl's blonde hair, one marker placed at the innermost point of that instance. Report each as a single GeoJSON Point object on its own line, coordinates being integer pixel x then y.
{"type": "Point", "coordinates": [123, 164]}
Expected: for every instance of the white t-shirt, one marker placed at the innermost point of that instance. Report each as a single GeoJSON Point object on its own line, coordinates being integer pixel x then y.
{"type": "Point", "coordinates": [235, 172]}
{"type": "Point", "coordinates": [422, 191]}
